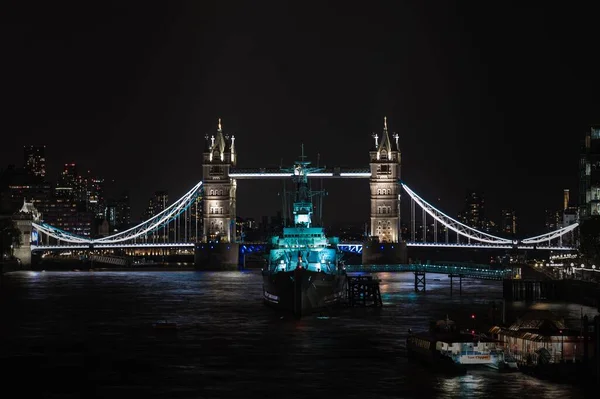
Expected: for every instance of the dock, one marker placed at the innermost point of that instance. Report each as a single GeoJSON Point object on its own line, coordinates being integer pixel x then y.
{"type": "Point", "coordinates": [363, 290]}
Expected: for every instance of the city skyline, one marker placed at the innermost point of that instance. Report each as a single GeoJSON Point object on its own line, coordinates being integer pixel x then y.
{"type": "Point", "coordinates": [476, 105]}
{"type": "Point", "coordinates": [474, 216]}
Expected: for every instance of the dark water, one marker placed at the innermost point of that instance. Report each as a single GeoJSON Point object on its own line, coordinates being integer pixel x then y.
{"type": "Point", "coordinates": [88, 335]}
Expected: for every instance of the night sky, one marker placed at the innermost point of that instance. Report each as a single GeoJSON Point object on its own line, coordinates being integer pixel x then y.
{"type": "Point", "coordinates": [489, 98]}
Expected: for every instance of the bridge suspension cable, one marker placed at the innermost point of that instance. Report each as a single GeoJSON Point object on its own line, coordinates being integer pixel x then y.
{"type": "Point", "coordinates": [154, 223]}
{"type": "Point", "coordinates": [455, 225]}
{"type": "Point", "coordinates": [551, 235]}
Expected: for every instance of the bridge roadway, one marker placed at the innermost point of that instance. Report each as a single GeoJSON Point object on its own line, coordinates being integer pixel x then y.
{"type": "Point", "coordinates": [274, 173]}
{"type": "Point", "coordinates": [464, 270]}
{"type": "Point", "coordinates": [352, 247]}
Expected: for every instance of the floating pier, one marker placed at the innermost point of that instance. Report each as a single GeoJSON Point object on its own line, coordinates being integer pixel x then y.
{"type": "Point", "coordinates": [363, 290]}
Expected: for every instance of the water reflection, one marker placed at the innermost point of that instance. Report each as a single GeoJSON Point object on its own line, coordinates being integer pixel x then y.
{"type": "Point", "coordinates": [84, 332]}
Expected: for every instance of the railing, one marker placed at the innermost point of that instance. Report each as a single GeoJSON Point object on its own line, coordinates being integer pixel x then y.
{"type": "Point", "coordinates": [474, 271]}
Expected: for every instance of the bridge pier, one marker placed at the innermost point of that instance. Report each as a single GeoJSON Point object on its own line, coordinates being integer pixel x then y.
{"type": "Point", "coordinates": [216, 256]}
{"type": "Point", "coordinates": [376, 253]}
{"type": "Point", "coordinates": [420, 282]}
{"type": "Point", "coordinates": [460, 277]}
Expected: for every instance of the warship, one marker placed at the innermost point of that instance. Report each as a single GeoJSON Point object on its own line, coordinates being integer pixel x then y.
{"type": "Point", "coordinates": [304, 271]}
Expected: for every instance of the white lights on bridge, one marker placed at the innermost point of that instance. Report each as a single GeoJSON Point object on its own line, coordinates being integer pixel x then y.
{"type": "Point", "coordinates": [356, 174]}
{"type": "Point", "coordinates": [259, 175]}
{"type": "Point", "coordinates": [127, 238]}
{"type": "Point", "coordinates": [276, 175]}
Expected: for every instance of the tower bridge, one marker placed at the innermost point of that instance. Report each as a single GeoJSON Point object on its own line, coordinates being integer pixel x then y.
{"type": "Point", "coordinates": [217, 194]}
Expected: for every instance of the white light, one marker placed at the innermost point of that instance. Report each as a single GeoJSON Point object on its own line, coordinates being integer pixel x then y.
{"type": "Point", "coordinates": [593, 266]}
{"type": "Point", "coordinates": [258, 175]}
{"type": "Point", "coordinates": [355, 174]}
{"type": "Point", "coordinates": [425, 205]}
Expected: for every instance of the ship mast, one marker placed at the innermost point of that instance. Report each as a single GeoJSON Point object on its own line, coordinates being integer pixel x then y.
{"type": "Point", "coordinates": [303, 206]}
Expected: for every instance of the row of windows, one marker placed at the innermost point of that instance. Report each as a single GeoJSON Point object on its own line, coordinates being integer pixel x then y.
{"type": "Point", "coordinates": [384, 209]}
{"type": "Point", "coordinates": [216, 210]}
{"type": "Point", "coordinates": [216, 192]}
{"type": "Point", "coordinates": [384, 191]}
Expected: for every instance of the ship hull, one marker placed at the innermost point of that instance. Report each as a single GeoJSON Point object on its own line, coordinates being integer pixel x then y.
{"type": "Point", "coordinates": [302, 291]}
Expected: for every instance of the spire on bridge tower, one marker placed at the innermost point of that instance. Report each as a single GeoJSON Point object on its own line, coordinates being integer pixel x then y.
{"type": "Point", "coordinates": [383, 152]}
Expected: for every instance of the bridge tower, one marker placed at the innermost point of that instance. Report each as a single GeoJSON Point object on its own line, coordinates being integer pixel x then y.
{"type": "Point", "coordinates": [385, 243]}
{"type": "Point", "coordinates": [219, 190]}
{"type": "Point", "coordinates": [23, 220]}
{"type": "Point", "coordinates": [385, 188]}
{"type": "Point", "coordinates": [218, 249]}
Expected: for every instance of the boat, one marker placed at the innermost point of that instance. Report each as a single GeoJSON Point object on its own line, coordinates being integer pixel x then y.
{"type": "Point", "coordinates": [304, 271]}
{"type": "Point", "coordinates": [445, 346]}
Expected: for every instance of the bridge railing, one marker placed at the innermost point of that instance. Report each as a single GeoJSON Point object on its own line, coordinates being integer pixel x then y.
{"type": "Point", "coordinates": [465, 270]}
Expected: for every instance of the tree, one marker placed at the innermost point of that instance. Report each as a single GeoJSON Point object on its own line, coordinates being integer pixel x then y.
{"type": "Point", "coordinates": [590, 239]}
{"type": "Point", "coordinates": [10, 235]}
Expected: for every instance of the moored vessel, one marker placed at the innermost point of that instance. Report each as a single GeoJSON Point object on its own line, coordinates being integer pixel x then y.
{"type": "Point", "coordinates": [304, 271]}
{"type": "Point", "coordinates": [445, 346]}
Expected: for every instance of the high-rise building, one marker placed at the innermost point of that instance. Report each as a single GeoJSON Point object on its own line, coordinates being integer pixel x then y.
{"type": "Point", "coordinates": [161, 201]}
{"type": "Point", "coordinates": [34, 158]}
{"type": "Point", "coordinates": [509, 222]}
{"type": "Point", "coordinates": [95, 196]}
{"type": "Point", "coordinates": [473, 215]}
{"type": "Point", "coordinates": [589, 175]}
{"type": "Point", "coordinates": [118, 213]}
{"type": "Point", "coordinates": [67, 185]}
{"type": "Point", "coordinates": [553, 219]}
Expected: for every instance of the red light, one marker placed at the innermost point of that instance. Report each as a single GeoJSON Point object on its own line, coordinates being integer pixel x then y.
{"type": "Point", "coordinates": [473, 316]}
{"type": "Point", "coordinates": [472, 331]}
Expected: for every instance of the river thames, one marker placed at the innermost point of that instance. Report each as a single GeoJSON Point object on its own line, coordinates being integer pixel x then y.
{"type": "Point", "coordinates": [89, 335]}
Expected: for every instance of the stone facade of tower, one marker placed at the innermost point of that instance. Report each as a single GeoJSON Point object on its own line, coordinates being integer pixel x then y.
{"type": "Point", "coordinates": [219, 190]}
{"type": "Point", "coordinates": [385, 188]}
{"type": "Point", "coordinates": [23, 220]}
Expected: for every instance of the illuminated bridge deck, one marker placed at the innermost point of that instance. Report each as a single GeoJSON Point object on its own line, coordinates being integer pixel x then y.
{"type": "Point", "coordinates": [274, 173]}
{"type": "Point", "coordinates": [483, 272]}
{"type": "Point", "coordinates": [352, 247]}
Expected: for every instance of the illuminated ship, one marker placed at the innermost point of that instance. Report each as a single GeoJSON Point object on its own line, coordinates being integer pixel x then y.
{"type": "Point", "coordinates": [304, 272]}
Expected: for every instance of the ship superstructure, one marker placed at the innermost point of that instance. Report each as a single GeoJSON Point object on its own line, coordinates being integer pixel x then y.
{"type": "Point", "coordinates": [304, 269]}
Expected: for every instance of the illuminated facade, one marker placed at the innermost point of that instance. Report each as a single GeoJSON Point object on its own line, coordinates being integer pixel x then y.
{"type": "Point", "coordinates": [385, 188]}
{"type": "Point", "coordinates": [509, 222]}
{"type": "Point", "coordinates": [35, 160]}
{"type": "Point", "coordinates": [473, 214]}
{"type": "Point", "coordinates": [589, 175]}
{"type": "Point", "coordinates": [219, 190]}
